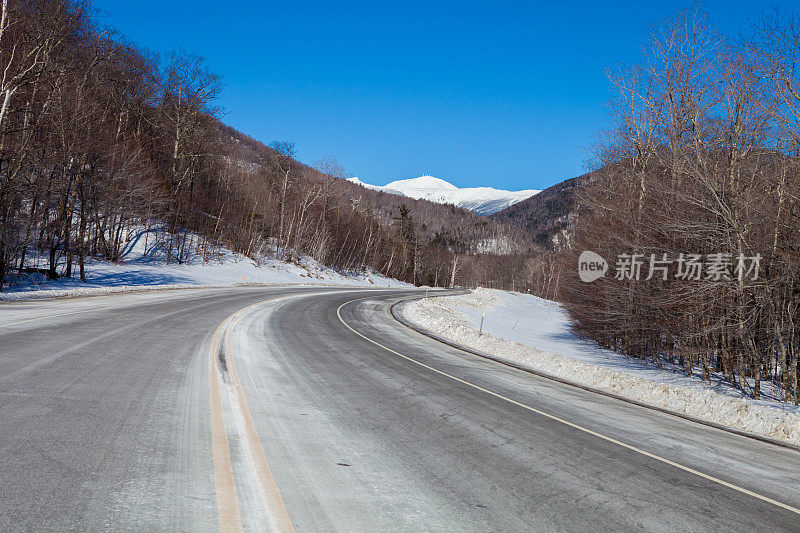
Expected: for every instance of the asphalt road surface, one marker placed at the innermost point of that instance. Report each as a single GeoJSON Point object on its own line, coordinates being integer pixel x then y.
{"type": "Point", "coordinates": [313, 409]}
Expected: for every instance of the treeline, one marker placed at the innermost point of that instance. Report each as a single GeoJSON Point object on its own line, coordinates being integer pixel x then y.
{"type": "Point", "coordinates": [98, 137]}
{"type": "Point", "coordinates": [701, 171]}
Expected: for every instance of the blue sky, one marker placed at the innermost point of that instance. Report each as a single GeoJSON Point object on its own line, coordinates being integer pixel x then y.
{"type": "Point", "coordinates": [504, 94]}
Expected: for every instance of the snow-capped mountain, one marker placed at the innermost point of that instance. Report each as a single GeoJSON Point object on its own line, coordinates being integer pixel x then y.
{"type": "Point", "coordinates": [482, 200]}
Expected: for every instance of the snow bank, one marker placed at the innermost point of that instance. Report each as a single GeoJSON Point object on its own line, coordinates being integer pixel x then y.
{"type": "Point", "coordinates": [143, 267]}
{"type": "Point", "coordinates": [535, 334]}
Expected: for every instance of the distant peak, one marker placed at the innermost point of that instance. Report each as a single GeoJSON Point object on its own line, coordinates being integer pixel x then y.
{"type": "Point", "coordinates": [422, 182]}
{"type": "Point", "coordinates": [482, 200]}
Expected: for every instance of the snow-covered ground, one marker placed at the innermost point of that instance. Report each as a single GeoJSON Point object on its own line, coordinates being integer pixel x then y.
{"type": "Point", "coordinates": [535, 333]}
{"type": "Point", "coordinates": [143, 267]}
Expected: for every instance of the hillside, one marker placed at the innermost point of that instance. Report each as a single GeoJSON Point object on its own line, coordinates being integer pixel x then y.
{"type": "Point", "coordinates": [447, 226]}
{"type": "Point", "coordinates": [548, 217]}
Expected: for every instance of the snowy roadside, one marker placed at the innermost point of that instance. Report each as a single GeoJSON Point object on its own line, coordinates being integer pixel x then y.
{"type": "Point", "coordinates": [535, 334]}
{"type": "Point", "coordinates": [142, 268]}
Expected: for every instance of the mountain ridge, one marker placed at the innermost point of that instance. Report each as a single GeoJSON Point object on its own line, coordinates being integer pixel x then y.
{"type": "Point", "coordinates": [481, 200]}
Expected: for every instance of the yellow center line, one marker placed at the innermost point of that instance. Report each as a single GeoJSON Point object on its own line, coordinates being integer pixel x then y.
{"type": "Point", "coordinates": [567, 422]}
{"type": "Point", "coordinates": [270, 494]}
{"type": "Point", "coordinates": [230, 516]}
{"type": "Point", "coordinates": [229, 511]}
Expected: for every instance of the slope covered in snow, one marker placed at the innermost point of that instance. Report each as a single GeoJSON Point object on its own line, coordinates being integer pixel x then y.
{"type": "Point", "coordinates": [143, 266]}
{"type": "Point", "coordinates": [536, 334]}
{"type": "Point", "coordinates": [482, 200]}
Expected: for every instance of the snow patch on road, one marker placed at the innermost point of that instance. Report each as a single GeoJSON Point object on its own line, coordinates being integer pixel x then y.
{"type": "Point", "coordinates": [535, 333]}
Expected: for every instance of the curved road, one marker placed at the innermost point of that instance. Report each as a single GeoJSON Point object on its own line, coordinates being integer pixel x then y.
{"type": "Point", "coordinates": [313, 409]}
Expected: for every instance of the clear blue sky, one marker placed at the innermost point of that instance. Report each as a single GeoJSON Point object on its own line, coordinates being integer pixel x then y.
{"type": "Point", "coordinates": [507, 94]}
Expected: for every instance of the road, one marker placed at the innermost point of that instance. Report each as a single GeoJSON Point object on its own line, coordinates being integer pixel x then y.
{"type": "Point", "coordinates": [313, 409]}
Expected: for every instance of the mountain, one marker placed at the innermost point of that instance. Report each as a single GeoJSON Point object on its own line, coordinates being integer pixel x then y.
{"type": "Point", "coordinates": [550, 215]}
{"type": "Point", "coordinates": [482, 200]}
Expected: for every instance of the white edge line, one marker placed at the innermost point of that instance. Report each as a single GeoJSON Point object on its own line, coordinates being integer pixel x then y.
{"type": "Point", "coordinates": [568, 423]}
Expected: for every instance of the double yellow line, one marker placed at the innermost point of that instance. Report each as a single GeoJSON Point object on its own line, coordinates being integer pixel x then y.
{"type": "Point", "coordinates": [229, 511]}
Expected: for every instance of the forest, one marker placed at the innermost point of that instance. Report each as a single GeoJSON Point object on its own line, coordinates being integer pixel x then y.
{"type": "Point", "coordinates": [701, 162]}
{"type": "Point", "coordinates": [98, 136]}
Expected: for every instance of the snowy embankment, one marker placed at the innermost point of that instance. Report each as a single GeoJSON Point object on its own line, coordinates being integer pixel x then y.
{"type": "Point", "coordinates": [143, 266]}
{"type": "Point", "coordinates": [535, 333]}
